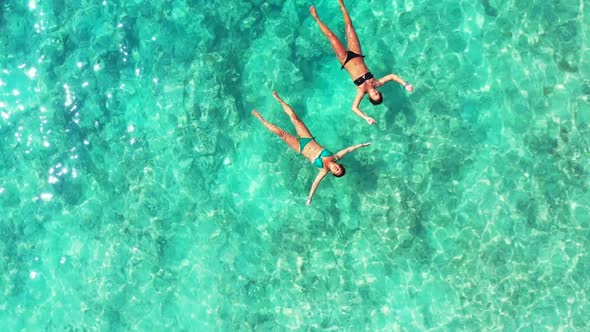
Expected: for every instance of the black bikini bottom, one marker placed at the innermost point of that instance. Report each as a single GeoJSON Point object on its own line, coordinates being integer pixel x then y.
{"type": "Point", "coordinates": [349, 56]}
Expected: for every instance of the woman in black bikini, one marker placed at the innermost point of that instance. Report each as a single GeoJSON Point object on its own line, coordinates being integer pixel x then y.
{"type": "Point", "coordinates": [306, 145]}
{"type": "Point", "coordinates": [352, 60]}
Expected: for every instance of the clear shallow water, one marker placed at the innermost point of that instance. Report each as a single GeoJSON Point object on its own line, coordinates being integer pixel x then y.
{"type": "Point", "coordinates": [137, 192]}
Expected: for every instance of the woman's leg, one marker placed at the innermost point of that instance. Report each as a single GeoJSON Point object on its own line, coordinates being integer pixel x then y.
{"type": "Point", "coordinates": [291, 140]}
{"type": "Point", "coordinates": [351, 37]}
{"type": "Point", "coordinates": [334, 41]}
{"type": "Point", "coordinates": [302, 130]}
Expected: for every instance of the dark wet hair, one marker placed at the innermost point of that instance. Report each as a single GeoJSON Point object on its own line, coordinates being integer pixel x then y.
{"type": "Point", "coordinates": [376, 101]}
{"type": "Point", "coordinates": [341, 174]}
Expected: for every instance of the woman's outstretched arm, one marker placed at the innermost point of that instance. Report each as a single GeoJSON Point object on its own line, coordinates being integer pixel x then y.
{"type": "Point", "coordinates": [321, 175]}
{"type": "Point", "coordinates": [342, 153]}
{"type": "Point", "coordinates": [395, 78]}
{"type": "Point", "coordinates": [355, 107]}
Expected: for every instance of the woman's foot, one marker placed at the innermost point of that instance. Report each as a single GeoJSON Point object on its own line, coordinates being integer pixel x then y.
{"type": "Point", "coordinates": [257, 115]}
{"type": "Point", "coordinates": [276, 96]}
{"type": "Point", "coordinates": [313, 12]}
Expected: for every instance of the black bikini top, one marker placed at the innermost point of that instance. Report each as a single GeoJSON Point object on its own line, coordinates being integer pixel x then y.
{"type": "Point", "coordinates": [366, 76]}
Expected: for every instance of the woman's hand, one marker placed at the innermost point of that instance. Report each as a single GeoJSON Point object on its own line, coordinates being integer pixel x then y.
{"type": "Point", "coordinates": [308, 201]}
{"type": "Point", "coordinates": [366, 144]}
{"type": "Point", "coordinates": [409, 87]}
{"type": "Point", "coordinates": [370, 120]}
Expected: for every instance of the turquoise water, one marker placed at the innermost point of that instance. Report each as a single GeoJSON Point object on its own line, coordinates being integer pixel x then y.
{"type": "Point", "coordinates": [138, 193]}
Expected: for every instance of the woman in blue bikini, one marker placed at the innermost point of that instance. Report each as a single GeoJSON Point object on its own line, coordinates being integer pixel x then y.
{"type": "Point", "coordinates": [352, 60]}
{"type": "Point", "coordinates": [306, 145]}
